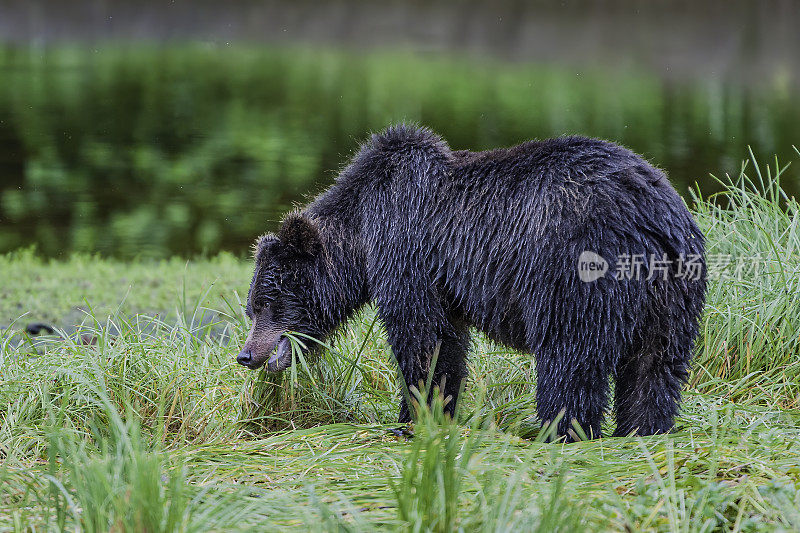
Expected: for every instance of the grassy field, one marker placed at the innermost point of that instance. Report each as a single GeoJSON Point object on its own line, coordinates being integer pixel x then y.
{"type": "Point", "coordinates": [153, 426]}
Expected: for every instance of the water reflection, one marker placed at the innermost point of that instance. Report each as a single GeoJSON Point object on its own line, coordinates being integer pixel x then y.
{"type": "Point", "coordinates": [150, 150]}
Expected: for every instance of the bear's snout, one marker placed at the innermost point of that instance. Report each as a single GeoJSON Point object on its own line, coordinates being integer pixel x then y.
{"type": "Point", "coordinates": [245, 358]}
{"type": "Point", "coordinates": [266, 347]}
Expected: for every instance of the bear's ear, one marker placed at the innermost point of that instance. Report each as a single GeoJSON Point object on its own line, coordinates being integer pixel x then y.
{"type": "Point", "coordinates": [263, 245]}
{"type": "Point", "coordinates": [300, 234]}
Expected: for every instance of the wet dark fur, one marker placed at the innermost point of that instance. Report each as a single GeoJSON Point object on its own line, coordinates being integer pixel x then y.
{"type": "Point", "coordinates": [443, 240]}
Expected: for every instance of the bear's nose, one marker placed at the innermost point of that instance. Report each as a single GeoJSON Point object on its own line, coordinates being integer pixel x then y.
{"type": "Point", "coordinates": [245, 358]}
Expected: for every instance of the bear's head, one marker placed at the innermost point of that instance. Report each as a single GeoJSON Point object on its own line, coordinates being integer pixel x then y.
{"type": "Point", "coordinates": [281, 297]}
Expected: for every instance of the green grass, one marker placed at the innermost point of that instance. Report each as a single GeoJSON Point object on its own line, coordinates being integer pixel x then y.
{"type": "Point", "coordinates": [751, 337]}
{"type": "Point", "coordinates": [156, 428]}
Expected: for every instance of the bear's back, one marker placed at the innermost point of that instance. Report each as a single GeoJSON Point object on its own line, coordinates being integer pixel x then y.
{"type": "Point", "coordinates": [558, 160]}
{"type": "Point", "coordinates": [573, 180]}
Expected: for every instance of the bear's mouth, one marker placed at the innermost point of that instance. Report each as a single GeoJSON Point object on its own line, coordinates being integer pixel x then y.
{"type": "Point", "coordinates": [281, 357]}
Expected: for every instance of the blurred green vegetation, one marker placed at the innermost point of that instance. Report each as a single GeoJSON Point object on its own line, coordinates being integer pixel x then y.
{"type": "Point", "coordinates": [150, 151]}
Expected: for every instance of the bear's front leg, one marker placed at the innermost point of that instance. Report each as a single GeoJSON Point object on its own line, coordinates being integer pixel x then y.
{"type": "Point", "coordinates": [451, 366]}
{"type": "Point", "coordinates": [413, 353]}
{"type": "Point", "coordinates": [416, 347]}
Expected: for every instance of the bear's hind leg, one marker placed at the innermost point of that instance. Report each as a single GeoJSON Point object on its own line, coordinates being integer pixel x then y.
{"type": "Point", "coordinates": [647, 391]}
{"type": "Point", "coordinates": [568, 385]}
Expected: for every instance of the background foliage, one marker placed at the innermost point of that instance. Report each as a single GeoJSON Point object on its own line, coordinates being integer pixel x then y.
{"type": "Point", "coordinates": [153, 151]}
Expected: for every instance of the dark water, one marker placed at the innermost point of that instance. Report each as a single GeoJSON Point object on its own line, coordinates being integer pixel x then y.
{"type": "Point", "coordinates": [144, 146]}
